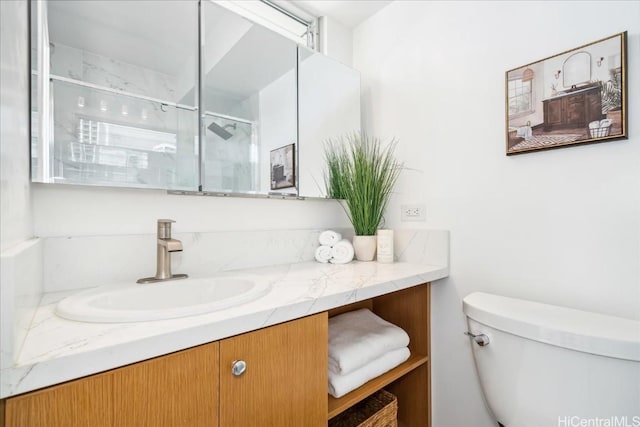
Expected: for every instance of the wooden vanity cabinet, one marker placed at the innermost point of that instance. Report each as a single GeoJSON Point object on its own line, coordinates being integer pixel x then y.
{"type": "Point", "coordinates": [285, 384]}
{"type": "Point", "coordinates": [573, 110]}
{"type": "Point", "coordinates": [179, 389]}
{"type": "Point", "coordinates": [411, 381]}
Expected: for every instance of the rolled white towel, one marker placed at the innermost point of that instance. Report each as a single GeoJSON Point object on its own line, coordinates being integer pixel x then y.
{"type": "Point", "coordinates": [323, 254]}
{"type": "Point", "coordinates": [341, 252]}
{"type": "Point", "coordinates": [329, 238]}
{"type": "Point", "coordinates": [358, 337]}
{"type": "Point", "coordinates": [339, 385]}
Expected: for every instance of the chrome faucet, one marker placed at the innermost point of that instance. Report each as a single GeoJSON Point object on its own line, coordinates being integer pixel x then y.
{"type": "Point", "coordinates": [166, 245]}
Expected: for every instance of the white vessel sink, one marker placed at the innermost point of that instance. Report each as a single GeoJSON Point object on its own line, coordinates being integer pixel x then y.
{"type": "Point", "coordinates": [132, 302]}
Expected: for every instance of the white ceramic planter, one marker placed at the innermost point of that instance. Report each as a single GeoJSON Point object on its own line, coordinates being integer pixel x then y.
{"type": "Point", "coordinates": [365, 247]}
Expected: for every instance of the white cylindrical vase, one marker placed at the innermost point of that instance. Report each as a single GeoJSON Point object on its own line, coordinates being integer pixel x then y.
{"type": "Point", "coordinates": [364, 247]}
{"type": "Point", "coordinates": [385, 246]}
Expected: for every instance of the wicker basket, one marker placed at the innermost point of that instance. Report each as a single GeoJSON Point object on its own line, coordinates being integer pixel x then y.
{"type": "Point", "coordinates": [378, 410]}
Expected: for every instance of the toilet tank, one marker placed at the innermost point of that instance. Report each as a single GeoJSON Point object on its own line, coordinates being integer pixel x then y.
{"type": "Point", "coordinates": [548, 366]}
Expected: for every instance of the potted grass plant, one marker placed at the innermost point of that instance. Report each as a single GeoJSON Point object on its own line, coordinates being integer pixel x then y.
{"type": "Point", "coordinates": [362, 172]}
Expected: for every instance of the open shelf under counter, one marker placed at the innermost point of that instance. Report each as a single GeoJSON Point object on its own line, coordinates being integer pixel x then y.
{"type": "Point", "coordinates": [339, 405]}
{"type": "Point", "coordinates": [410, 381]}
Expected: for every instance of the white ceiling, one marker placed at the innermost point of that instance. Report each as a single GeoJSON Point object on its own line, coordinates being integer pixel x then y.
{"type": "Point", "coordinates": [349, 13]}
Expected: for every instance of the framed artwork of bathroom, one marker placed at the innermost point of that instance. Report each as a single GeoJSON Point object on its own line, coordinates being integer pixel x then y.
{"type": "Point", "coordinates": [283, 171]}
{"type": "Point", "coordinates": [575, 97]}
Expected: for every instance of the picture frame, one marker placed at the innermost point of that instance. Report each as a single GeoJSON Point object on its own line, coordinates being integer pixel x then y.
{"type": "Point", "coordinates": [283, 167]}
{"type": "Point", "coordinates": [572, 98]}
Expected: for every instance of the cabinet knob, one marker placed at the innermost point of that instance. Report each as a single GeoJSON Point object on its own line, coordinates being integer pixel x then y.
{"type": "Point", "coordinates": [239, 367]}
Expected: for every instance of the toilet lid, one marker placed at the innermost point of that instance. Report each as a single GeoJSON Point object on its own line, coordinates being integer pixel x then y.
{"type": "Point", "coordinates": [579, 330]}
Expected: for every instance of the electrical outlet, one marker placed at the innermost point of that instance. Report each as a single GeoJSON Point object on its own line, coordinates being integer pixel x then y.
{"type": "Point", "coordinates": [413, 212]}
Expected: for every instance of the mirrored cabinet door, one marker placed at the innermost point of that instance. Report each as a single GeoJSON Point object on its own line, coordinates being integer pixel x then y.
{"type": "Point", "coordinates": [329, 97]}
{"type": "Point", "coordinates": [249, 98]}
{"type": "Point", "coordinates": [181, 95]}
{"type": "Point", "coordinates": [115, 93]}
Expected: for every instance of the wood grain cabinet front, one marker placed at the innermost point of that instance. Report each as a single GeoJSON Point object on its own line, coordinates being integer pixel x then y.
{"type": "Point", "coordinates": [573, 110]}
{"type": "Point", "coordinates": [272, 377]}
{"type": "Point", "coordinates": [179, 389]}
{"type": "Point", "coordinates": [285, 380]}
{"type": "Point", "coordinates": [284, 384]}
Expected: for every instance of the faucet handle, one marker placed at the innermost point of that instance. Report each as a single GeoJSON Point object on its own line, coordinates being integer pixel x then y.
{"type": "Point", "coordinates": [164, 228]}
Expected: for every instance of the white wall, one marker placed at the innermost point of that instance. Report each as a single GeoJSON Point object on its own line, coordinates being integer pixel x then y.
{"type": "Point", "coordinates": [560, 226]}
{"type": "Point", "coordinates": [329, 96]}
{"type": "Point", "coordinates": [15, 221]}
{"type": "Point", "coordinates": [86, 211]}
{"type": "Point", "coordinates": [336, 40]}
{"type": "Point", "coordinates": [20, 256]}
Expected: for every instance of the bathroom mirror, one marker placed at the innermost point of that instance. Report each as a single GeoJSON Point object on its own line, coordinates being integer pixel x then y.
{"type": "Point", "coordinates": [249, 100]}
{"type": "Point", "coordinates": [329, 94]}
{"type": "Point", "coordinates": [576, 69]}
{"type": "Point", "coordinates": [113, 100]}
{"type": "Point", "coordinates": [120, 100]}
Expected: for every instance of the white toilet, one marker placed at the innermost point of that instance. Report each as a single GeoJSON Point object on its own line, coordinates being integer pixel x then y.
{"type": "Point", "coordinates": [547, 366]}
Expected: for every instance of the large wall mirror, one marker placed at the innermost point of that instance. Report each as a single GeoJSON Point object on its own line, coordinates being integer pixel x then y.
{"type": "Point", "coordinates": [249, 97]}
{"type": "Point", "coordinates": [112, 100]}
{"type": "Point", "coordinates": [123, 95]}
{"type": "Point", "coordinates": [329, 93]}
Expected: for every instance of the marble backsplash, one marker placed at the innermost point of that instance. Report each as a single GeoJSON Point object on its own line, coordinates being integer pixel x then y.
{"type": "Point", "coordinates": [52, 264]}
{"type": "Point", "coordinates": [21, 288]}
{"type": "Point", "coordinates": [86, 261]}
{"type": "Point", "coordinates": [78, 64]}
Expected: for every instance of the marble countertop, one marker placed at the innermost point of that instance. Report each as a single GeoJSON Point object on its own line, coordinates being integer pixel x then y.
{"type": "Point", "coordinates": [57, 350]}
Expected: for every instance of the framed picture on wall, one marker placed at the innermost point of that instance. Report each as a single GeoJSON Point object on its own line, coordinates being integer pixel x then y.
{"type": "Point", "coordinates": [575, 97]}
{"type": "Point", "coordinates": [283, 168]}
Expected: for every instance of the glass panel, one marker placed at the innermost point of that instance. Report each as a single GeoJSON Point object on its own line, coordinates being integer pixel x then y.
{"type": "Point", "coordinates": [231, 155]}
{"type": "Point", "coordinates": [102, 138]}
{"type": "Point", "coordinates": [329, 96]}
{"type": "Point", "coordinates": [249, 80]}
{"type": "Point", "coordinates": [116, 94]}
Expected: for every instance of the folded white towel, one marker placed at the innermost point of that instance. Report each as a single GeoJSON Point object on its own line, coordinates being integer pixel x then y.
{"type": "Point", "coordinates": [339, 385]}
{"type": "Point", "coordinates": [329, 238]}
{"type": "Point", "coordinates": [358, 337]}
{"type": "Point", "coordinates": [342, 252]}
{"type": "Point", "coordinates": [524, 132]}
{"type": "Point", "coordinates": [323, 254]}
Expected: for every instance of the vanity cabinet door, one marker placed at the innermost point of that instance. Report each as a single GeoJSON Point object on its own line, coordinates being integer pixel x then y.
{"type": "Point", "coordinates": [575, 110]}
{"type": "Point", "coordinates": [180, 389]}
{"type": "Point", "coordinates": [552, 112]}
{"type": "Point", "coordinates": [285, 380]}
{"type": "Point", "coordinates": [83, 402]}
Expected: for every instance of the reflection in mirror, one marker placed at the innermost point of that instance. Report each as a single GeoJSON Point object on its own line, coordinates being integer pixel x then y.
{"type": "Point", "coordinates": [329, 97]}
{"type": "Point", "coordinates": [576, 69]}
{"type": "Point", "coordinates": [113, 100]}
{"type": "Point", "coordinates": [249, 101]}
{"type": "Point", "coordinates": [231, 155]}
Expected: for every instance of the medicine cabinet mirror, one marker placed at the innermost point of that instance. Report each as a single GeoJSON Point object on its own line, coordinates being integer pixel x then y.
{"type": "Point", "coordinates": [119, 98]}
{"type": "Point", "coordinates": [112, 100]}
